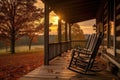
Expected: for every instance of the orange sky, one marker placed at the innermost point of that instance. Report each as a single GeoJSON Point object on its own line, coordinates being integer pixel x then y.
{"type": "Point", "coordinates": [86, 26]}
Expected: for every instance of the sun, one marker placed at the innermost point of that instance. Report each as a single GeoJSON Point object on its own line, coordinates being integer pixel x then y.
{"type": "Point", "coordinates": [54, 20]}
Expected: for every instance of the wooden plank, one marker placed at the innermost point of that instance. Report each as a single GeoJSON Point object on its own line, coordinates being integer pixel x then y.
{"type": "Point", "coordinates": [57, 72]}
{"type": "Point", "coordinates": [46, 35]}
{"type": "Point", "coordinates": [59, 35]}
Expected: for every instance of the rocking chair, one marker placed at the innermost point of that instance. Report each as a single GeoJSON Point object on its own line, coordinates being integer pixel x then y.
{"type": "Point", "coordinates": [86, 65]}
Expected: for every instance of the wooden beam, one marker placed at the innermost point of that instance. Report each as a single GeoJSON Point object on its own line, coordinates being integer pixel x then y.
{"type": "Point", "coordinates": [75, 4]}
{"type": "Point", "coordinates": [46, 35]}
{"type": "Point", "coordinates": [78, 18]}
{"type": "Point", "coordinates": [70, 35]}
{"type": "Point", "coordinates": [66, 37]}
{"type": "Point", "coordinates": [90, 5]}
{"type": "Point", "coordinates": [67, 2]}
{"type": "Point", "coordinates": [80, 13]}
{"type": "Point", "coordinates": [59, 35]}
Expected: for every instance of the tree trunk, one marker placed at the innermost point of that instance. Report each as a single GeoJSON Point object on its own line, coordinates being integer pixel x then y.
{"type": "Point", "coordinates": [30, 43]}
{"type": "Point", "coordinates": [13, 29]}
{"type": "Point", "coordinates": [12, 47]}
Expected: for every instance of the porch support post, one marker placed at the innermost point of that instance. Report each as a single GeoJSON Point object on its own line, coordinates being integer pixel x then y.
{"type": "Point", "coordinates": [108, 32]}
{"type": "Point", "coordinates": [46, 35]}
{"type": "Point", "coordinates": [70, 36]}
{"type": "Point", "coordinates": [66, 37]}
{"type": "Point", "coordinates": [59, 35]}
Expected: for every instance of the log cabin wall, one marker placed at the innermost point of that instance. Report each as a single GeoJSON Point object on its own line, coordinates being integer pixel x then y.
{"type": "Point", "coordinates": [108, 21]}
{"type": "Point", "coordinates": [117, 28]}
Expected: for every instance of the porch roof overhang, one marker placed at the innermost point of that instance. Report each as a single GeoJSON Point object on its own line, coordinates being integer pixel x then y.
{"type": "Point", "coordinates": [73, 11]}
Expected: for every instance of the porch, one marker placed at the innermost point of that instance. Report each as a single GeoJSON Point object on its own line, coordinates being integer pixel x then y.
{"type": "Point", "coordinates": [55, 63]}
{"type": "Point", "coordinates": [57, 70]}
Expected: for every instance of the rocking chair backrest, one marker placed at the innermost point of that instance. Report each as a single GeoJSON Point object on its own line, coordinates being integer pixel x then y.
{"type": "Point", "coordinates": [92, 42]}
{"type": "Point", "coordinates": [97, 45]}
{"type": "Point", "coordinates": [88, 41]}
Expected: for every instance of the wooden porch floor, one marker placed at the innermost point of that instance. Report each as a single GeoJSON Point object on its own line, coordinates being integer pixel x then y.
{"type": "Point", "coordinates": [57, 70]}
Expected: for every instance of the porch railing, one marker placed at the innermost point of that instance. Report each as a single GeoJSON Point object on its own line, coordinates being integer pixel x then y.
{"type": "Point", "coordinates": [78, 43]}
{"type": "Point", "coordinates": [56, 49]}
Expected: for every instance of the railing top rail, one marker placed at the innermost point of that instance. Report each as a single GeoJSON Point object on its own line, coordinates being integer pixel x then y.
{"type": "Point", "coordinates": [68, 41]}
{"type": "Point", "coordinates": [60, 42]}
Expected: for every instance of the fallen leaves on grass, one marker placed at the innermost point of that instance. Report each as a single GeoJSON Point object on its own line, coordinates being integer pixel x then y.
{"type": "Point", "coordinates": [15, 66]}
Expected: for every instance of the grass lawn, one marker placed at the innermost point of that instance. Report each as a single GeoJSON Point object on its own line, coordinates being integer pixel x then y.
{"type": "Point", "coordinates": [16, 65]}
{"type": "Point", "coordinates": [23, 49]}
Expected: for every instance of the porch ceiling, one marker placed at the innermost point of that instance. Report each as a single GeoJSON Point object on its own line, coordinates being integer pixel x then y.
{"type": "Point", "coordinates": [75, 10]}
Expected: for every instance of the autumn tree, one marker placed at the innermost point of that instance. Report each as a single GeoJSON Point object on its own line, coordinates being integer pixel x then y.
{"type": "Point", "coordinates": [14, 17]}
{"type": "Point", "coordinates": [33, 32]}
{"type": "Point", "coordinates": [77, 34]}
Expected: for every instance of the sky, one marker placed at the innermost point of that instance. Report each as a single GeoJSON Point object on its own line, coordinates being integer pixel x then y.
{"type": "Point", "coordinates": [86, 26]}
{"type": "Point", "coordinates": [39, 4]}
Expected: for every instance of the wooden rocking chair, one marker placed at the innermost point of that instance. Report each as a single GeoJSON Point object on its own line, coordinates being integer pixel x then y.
{"type": "Point", "coordinates": [85, 65]}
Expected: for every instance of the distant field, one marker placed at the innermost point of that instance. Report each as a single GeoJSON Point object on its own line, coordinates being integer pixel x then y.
{"type": "Point", "coordinates": [20, 49]}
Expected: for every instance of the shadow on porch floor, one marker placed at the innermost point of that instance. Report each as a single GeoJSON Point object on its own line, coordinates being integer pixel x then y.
{"type": "Point", "coordinates": [57, 70]}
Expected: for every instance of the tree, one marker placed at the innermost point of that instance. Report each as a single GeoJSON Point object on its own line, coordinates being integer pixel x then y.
{"type": "Point", "coordinates": [77, 34]}
{"type": "Point", "coordinates": [15, 15]}
{"type": "Point", "coordinates": [33, 31]}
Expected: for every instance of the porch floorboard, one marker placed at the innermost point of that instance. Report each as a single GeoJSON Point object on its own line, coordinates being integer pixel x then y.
{"type": "Point", "coordinates": [57, 70]}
